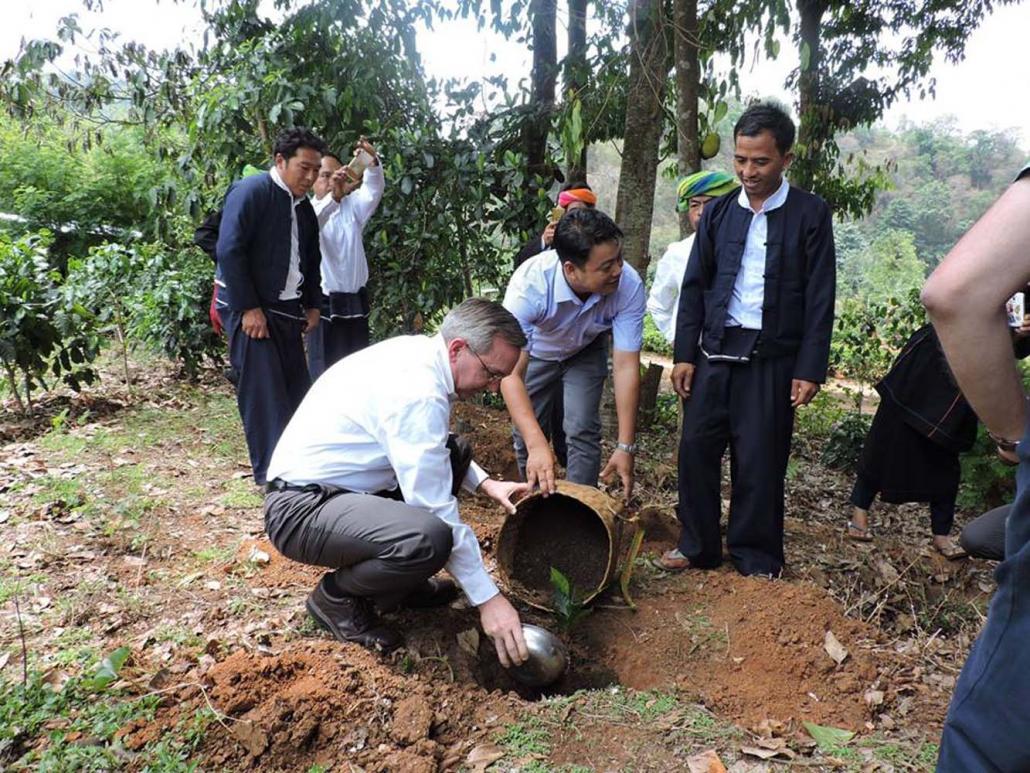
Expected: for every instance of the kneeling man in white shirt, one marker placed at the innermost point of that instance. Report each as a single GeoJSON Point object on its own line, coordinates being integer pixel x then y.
{"type": "Point", "coordinates": [365, 477]}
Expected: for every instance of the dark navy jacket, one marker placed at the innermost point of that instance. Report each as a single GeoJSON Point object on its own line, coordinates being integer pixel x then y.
{"type": "Point", "coordinates": [253, 250]}
{"type": "Point", "coordinates": [800, 282]}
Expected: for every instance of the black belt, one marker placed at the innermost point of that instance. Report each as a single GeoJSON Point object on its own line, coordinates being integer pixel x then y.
{"type": "Point", "coordinates": [278, 484]}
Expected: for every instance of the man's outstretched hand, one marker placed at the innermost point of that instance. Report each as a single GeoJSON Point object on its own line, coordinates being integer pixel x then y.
{"type": "Point", "coordinates": [505, 492]}
{"type": "Point", "coordinates": [621, 463]}
{"type": "Point", "coordinates": [501, 623]}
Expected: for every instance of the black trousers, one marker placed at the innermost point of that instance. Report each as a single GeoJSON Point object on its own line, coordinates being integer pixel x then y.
{"type": "Point", "coordinates": [272, 380]}
{"type": "Point", "coordinates": [942, 509]}
{"type": "Point", "coordinates": [342, 330]}
{"type": "Point", "coordinates": [378, 546]}
{"type": "Point", "coordinates": [747, 407]}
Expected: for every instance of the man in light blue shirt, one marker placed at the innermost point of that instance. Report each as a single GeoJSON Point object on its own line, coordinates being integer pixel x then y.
{"type": "Point", "coordinates": [567, 299]}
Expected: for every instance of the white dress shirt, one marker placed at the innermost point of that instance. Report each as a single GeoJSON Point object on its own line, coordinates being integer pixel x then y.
{"type": "Point", "coordinates": [294, 278]}
{"type": "Point", "coordinates": [344, 266]}
{"type": "Point", "coordinates": [664, 299]}
{"type": "Point", "coordinates": [745, 306]}
{"type": "Point", "coordinates": [558, 324]}
{"type": "Point", "coordinates": [379, 419]}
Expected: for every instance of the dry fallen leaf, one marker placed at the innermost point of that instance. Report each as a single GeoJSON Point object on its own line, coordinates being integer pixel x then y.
{"type": "Point", "coordinates": [483, 756]}
{"type": "Point", "coordinates": [705, 762]}
{"type": "Point", "coordinates": [468, 641]}
{"type": "Point", "coordinates": [834, 648]}
{"type": "Point", "coordinates": [873, 697]}
{"type": "Point", "coordinates": [767, 754]}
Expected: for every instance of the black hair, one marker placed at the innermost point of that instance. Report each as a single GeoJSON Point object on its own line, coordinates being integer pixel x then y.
{"type": "Point", "coordinates": [332, 155]}
{"type": "Point", "coordinates": [579, 231]}
{"type": "Point", "coordinates": [574, 184]}
{"type": "Point", "coordinates": [291, 140]}
{"type": "Point", "coordinates": [770, 117]}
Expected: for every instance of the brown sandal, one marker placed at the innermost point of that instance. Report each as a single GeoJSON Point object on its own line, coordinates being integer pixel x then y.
{"type": "Point", "coordinates": [672, 561]}
{"type": "Point", "coordinates": [951, 551]}
{"type": "Point", "coordinates": [858, 533]}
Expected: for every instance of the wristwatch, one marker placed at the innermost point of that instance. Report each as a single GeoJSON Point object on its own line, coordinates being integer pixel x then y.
{"type": "Point", "coordinates": [629, 448]}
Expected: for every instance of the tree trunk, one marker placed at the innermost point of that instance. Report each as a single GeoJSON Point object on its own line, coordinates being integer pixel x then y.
{"type": "Point", "coordinates": [576, 75]}
{"type": "Point", "coordinates": [545, 72]}
{"type": "Point", "coordinates": [650, 61]}
{"type": "Point", "coordinates": [12, 381]}
{"type": "Point", "coordinates": [688, 75]}
{"type": "Point", "coordinates": [810, 109]}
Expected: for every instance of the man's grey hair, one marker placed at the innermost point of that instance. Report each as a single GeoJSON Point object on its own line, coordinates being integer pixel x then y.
{"type": "Point", "coordinates": [478, 320]}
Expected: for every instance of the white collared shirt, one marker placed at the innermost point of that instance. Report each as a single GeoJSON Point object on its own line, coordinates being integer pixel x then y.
{"type": "Point", "coordinates": [379, 419]}
{"type": "Point", "coordinates": [294, 278]}
{"type": "Point", "coordinates": [344, 266]}
{"type": "Point", "coordinates": [745, 306]}
{"type": "Point", "coordinates": [664, 299]}
{"type": "Point", "coordinates": [558, 324]}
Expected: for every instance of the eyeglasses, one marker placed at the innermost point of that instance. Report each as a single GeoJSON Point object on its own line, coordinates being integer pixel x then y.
{"type": "Point", "coordinates": [494, 375]}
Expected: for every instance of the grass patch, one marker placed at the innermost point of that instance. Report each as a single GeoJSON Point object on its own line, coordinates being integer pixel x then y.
{"type": "Point", "coordinates": [241, 493]}
{"type": "Point", "coordinates": [75, 728]}
{"type": "Point", "coordinates": [522, 739]}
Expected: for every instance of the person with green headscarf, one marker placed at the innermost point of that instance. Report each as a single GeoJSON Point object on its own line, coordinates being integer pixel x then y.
{"type": "Point", "coordinates": [692, 193]}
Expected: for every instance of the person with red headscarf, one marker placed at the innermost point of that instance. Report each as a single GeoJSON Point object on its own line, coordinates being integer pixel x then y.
{"type": "Point", "coordinates": [572, 196]}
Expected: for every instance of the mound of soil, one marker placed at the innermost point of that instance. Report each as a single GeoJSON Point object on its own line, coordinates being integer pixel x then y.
{"type": "Point", "coordinates": [750, 649]}
{"type": "Point", "coordinates": [320, 703]}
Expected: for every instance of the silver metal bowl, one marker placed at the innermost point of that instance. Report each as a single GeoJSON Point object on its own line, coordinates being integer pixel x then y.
{"type": "Point", "coordinates": [547, 658]}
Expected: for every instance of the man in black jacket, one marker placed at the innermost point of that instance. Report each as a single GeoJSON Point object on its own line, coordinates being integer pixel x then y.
{"type": "Point", "coordinates": [752, 344]}
{"type": "Point", "coordinates": [269, 288]}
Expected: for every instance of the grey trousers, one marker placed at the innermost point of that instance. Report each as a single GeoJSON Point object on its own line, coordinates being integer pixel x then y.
{"type": "Point", "coordinates": [984, 536]}
{"type": "Point", "coordinates": [379, 547]}
{"type": "Point", "coordinates": [578, 381]}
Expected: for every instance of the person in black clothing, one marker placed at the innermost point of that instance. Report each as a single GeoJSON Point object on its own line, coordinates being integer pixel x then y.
{"type": "Point", "coordinates": [752, 345]}
{"type": "Point", "coordinates": [269, 290]}
{"type": "Point", "coordinates": [911, 453]}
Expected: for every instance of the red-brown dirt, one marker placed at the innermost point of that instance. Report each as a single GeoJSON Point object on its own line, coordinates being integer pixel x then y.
{"type": "Point", "coordinates": [750, 650]}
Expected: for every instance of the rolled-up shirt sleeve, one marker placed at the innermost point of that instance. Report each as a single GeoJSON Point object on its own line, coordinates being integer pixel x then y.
{"type": "Point", "coordinates": [628, 323]}
{"type": "Point", "coordinates": [414, 437]}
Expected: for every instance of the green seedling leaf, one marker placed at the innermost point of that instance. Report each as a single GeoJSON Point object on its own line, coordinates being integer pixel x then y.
{"type": "Point", "coordinates": [828, 739]}
{"type": "Point", "coordinates": [560, 582]}
{"type": "Point", "coordinates": [107, 673]}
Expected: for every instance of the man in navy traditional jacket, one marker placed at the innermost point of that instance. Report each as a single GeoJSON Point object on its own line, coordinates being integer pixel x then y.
{"type": "Point", "coordinates": [269, 288]}
{"type": "Point", "coordinates": [752, 344]}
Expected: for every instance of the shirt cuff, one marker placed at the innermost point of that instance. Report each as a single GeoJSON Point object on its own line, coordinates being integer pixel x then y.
{"type": "Point", "coordinates": [479, 587]}
{"type": "Point", "coordinates": [474, 478]}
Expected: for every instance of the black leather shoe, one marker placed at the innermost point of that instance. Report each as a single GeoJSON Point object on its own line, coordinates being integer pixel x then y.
{"type": "Point", "coordinates": [352, 618]}
{"type": "Point", "coordinates": [434, 592]}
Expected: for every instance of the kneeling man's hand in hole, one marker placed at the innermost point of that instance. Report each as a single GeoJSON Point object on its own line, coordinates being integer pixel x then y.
{"type": "Point", "coordinates": [501, 623]}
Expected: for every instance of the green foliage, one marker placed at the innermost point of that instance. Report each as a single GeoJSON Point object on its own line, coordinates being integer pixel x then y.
{"type": "Point", "coordinates": [568, 604]}
{"type": "Point", "coordinates": [107, 671]}
{"type": "Point", "coordinates": [83, 187]}
{"type": "Point", "coordinates": [654, 341]}
{"type": "Point", "coordinates": [867, 335]}
{"type": "Point", "coordinates": [42, 330]}
{"type": "Point", "coordinates": [815, 421]}
{"type": "Point", "coordinates": [106, 282]}
{"type": "Point", "coordinates": [828, 739]}
{"type": "Point", "coordinates": [41, 727]}
{"type": "Point", "coordinates": [522, 739]}
{"type": "Point", "coordinates": [844, 444]}
{"type": "Point", "coordinates": [986, 481]}
{"type": "Point", "coordinates": [172, 302]}
{"type": "Point", "coordinates": [892, 268]}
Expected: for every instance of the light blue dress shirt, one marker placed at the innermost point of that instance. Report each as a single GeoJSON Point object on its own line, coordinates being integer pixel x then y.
{"type": "Point", "coordinates": [558, 323]}
{"type": "Point", "coordinates": [745, 306]}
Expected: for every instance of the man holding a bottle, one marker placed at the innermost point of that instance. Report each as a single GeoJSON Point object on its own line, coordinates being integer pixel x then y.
{"type": "Point", "coordinates": [346, 196]}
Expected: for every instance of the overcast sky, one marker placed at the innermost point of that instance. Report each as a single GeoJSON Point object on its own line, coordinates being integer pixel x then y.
{"type": "Point", "coordinates": [986, 91]}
